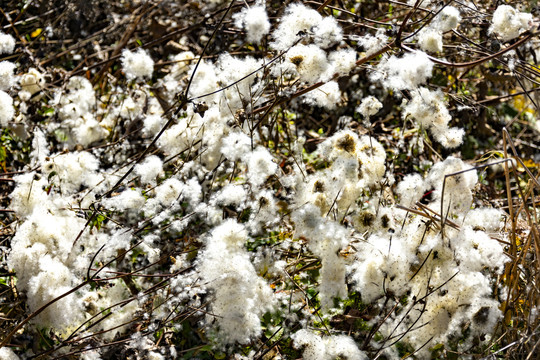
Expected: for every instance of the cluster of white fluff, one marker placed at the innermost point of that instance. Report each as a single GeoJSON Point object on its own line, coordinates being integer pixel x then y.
{"type": "Point", "coordinates": [41, 255]}
{"type": "Point", "coordinates": [300, 22]}
{"type": "Point", "coordinates": [72, 171]}
{"type": "Point", "coordinates": [137, 65]}
{"type": "Point", "coordinates": [427, 107]}
{"type": "Point", "coordinates": [6, 109]}
{"type": "Point", "coordinates": [508, 23]}
{"type": "Point", "coordinates": [369, 106]}
{"type": "Point", "coordinates": [6, 75]}
{"type": "Point", "coordinates": [211, 176]}
{"type": "Point", "coordinates": [326, 239]}
{"type": "Point", "coordinates": [8, 354]}
{"type": "Point", "coordinates": [355, 164]}
{"type": "Point", "coordinates": [240, 297]}
{"type": "Point", "coordinates": [31, 83]}
{"type": "Point", "coordinates": [372, 43]}
{"type": "Point", "coordinates": [307, 36]}
{"type": "Point", "coordinates": [431, 37]}
{"type": "Point", "coordinates": [327, 96]}
{"type": "Point", "coordinates": [49, 252]}
{"type": "Point", "coordinates": [326, 347]}
{"type": "Point", "coordinates": [149, 170]}
{"type": "Point", "coordinates": [7, 43]}
{"type": "Point", "coordinates": [255, 21]}
{"type": "Point", "coordinates": [404, 73]}
{"type": "Point", "coordinates": [76, 107]}
{"type": "Point", "coordinates": [441, 281]}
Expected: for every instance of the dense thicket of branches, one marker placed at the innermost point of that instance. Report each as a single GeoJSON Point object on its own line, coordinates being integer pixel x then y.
{"type": "Point", "coordinates": [180, 198]}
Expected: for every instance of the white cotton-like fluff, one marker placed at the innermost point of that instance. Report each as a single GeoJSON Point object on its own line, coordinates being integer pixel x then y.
{"type": "Point", "coordinates": [78, 99]}
{"type": "Point", "coordinates": [464, 264]}
{"type": "Point", "coordinates": [411, 189]}
{"type": "Point", "coordinates": [236, 146]}
{"type": "Point", "coordinates": [181, 65]}
{"type": "Point", "coordinates": [169, 191]}
{"type": "Point", "coordinates": [476, 250]}
{"type": "Point", "coordinates": [428, 108]}
{"type": "Point", "coordinates": [310, 62]}
{"type": "Point", "coordinates": [326, 96]}
{"type": "Point", "coordinates": [449, 137]}
{"type": "Point", "coordinates": [261, 165]}
{"type": "Point", "coordinates": [205, 81]}
{"type": "Point", "coordinates": [7, 43]}
{"type": "Point", "coordinates": [407, 72]}
{"type": "Point", "coordinates": [488, 219]}
{"type": "Point", "coordinates": [342, 346]}
{"type": "Point", "coordinates": [89, 354]}
{"type": "Point", "coordinates": [240, 297]}
{"type": "Point", "coordinates": [372, 44]}
{"type": "Point", "coordinates": [327, 32]}
{"type": "Point", "coordinates": [40, 149]}
{"type": "Point", "coordinates": [508, 23]}
{"type": "Point", "coordinates": [76, 107]}
{"type": "Point", "coordinates": [137, 65]}
{"type": "Point", "coordinates": [326, 238]}
{"type": "Point", "coordinates": [153, 124]}
{"type": "Point", "coordinates": [231, 70]}
{"type": "Point", "coordinates": [152, 355]}
{"type": "Point", "coordinates": [369, 106]}
{"type": "Point", "coordinates": [341, 61]}
{"type": "Point", "coordinates": [53, 280]}
{"type": "Point", "coordinates": [430, 40]}
{"type": "Point", "coordinates": [150, 249]}
{"type": "Point", "coordinates": [40, 255]}
{"type": "Point", "coordinates": [326, 347]}
{"type": "Point", "coordinates": [6, 109]}
{"type": "Point", "coordinates": [448, 19]}
{"type": "Point", "coordinates": [149, 169]}
{"type": "Point", "coordinates": [119, 314]}
{"type": "Point", "coordinates": [31, 83]}
{"type": "Point", "coordinates": [231, 194]}
{"type": "Point", "coordinates": [132, 106]}
{"type": "Point", "coordinates": [314, 349]}
{"type": "Point", "coordinates": [5, 352]}
{"type": "Point", "coordinates": [458, 188]}
{"type": "Point", "coordinates": [372, 158]}
{"type": "Point", "coordinates": [368, 153]}
{"type": "Point", "coordinates": [300, 21]}
{"type": "Point", "coordinates": [129, 199]}
{"type": "Point", "coordinates": [173, 190]}
{"type": "Point", "coordinates": [297, 19]}
{"type": "Point", "coordinates": [87, 130]}
{"type": "Point", "coordinates": [29, 193]}
{"type": "Point", "coordinates": [266, 215]}
{"type": "Point", "coordinates": [181, 136]}
{"type": "Point", "coordinates": [255, 21]}
{"type": "Point", "coordinates": [6, 75]}
{"type": "Point", "coordinates": [192, 192]}
{"type": "Point", "coordinates": [73, 170]}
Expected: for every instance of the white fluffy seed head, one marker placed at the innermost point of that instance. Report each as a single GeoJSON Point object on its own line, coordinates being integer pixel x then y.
{"type": "Point", "coordinates": [255, 21]}
{"type": "Point", "coordinates": [137, 65]}
{"type": "Point", "coordinates": [508, 23]}
{"type": "Point", "coordinates": [6, 75]}
{"type": "Point", "coordinates": [6, 109]}
{"type": "Point", "coordinates": [7, 43]}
